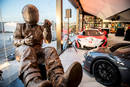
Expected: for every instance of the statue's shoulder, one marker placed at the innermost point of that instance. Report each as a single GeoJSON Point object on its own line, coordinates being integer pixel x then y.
{"type": "Point", "coordinates": [20, 25]}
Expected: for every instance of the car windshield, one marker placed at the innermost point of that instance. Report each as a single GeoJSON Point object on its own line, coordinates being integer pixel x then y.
{"type": "Point", "coordinates": [125, 47]}
{"type": "Point", "coordinates": [91, 33]}
{"type": "Point", "coordinates": [119, 46]}
{"type": "Point", "coordinates": [123, 52]}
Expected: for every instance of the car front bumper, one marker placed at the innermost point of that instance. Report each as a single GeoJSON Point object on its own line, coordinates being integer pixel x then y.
{"type": "Point", "coordinates": [125, 74]}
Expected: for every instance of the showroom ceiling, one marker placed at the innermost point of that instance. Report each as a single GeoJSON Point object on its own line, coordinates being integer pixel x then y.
{"type": "Point", "coordinates": [103, 8]}
{"type": "Point", "coordinates": [122, 16]}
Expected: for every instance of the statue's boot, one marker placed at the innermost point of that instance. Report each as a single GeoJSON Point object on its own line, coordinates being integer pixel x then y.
{"type": "Point", "coordinates": [71, 78]}
{"type": "Point", "coordinates": [30, 73]}
{"type": "Point", "coordinates": [32, 78]}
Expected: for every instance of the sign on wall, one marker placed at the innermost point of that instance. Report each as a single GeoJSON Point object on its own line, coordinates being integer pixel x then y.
{"type": "Point", "coordinates": [68, 13]}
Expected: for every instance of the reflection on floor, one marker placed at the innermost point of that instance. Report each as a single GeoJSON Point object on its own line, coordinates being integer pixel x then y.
{"type": "Point", "coordinates": [69, 56]}
{"type": "Point", "coordinates": [19, 83]}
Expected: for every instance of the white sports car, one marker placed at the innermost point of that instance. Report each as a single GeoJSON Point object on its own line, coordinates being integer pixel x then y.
{"type": "Point", "coordinates": [90, 39]}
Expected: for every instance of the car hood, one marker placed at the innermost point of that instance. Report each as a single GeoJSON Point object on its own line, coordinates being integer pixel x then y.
{"type": "Point", "coordinates": [91, 41]}
{"type": "Point", "coordinates": [101, 50]}
{"type": "Point", "coordinates": [98, 37]}
{"type": "Point", "coordinates": [120, 55]}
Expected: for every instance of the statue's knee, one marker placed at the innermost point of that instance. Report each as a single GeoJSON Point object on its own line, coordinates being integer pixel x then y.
{"type": "Point", "coordinates": [29, 48]}
{"type": "Point", "coordinates": [26, 49]}
{"type": "Point", "coordinates": [22, 51]}
{"type": "Point", "coordinates": [51, 49]}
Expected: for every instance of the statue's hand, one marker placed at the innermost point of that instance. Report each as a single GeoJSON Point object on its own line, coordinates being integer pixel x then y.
{"type": "Point", "coordinates": [47, 31]}
{"type": "Point", "coordinates": [29, 40]}
{"type": "Point", "coordinates": [47, 22]}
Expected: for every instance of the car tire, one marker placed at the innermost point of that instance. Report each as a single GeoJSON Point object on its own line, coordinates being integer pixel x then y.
{"type": "Point", "coordinates": [106, 73]}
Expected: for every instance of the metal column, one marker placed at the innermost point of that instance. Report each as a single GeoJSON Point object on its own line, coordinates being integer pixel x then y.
{"type": "Point", "coordinates": [95, 22]}
{"type": "Point", "coordinates": [81, 22]}
{"type": "Point", "coordinates": [77, 21]}
{"type": "Point", "coordinates": [59, 22]}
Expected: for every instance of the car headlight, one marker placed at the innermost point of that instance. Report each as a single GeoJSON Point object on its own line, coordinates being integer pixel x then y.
{"type": "Point", "coordinates": [118, 61]}
{"type": "Point", "coordinates": [121, 63]}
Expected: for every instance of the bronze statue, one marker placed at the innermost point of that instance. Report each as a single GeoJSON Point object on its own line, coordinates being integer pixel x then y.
{"type": "Point", "coordinates": [28, 39]}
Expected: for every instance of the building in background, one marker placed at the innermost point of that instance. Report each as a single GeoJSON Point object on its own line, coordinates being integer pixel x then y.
{"type": "Point", "coordinates": [1, 27]}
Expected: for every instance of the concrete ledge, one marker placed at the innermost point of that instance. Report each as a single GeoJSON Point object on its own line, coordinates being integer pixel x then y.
{"type": "Point", "coordinates": [10, 73]}
{"type": "Point", "coordinates": [7, 81]}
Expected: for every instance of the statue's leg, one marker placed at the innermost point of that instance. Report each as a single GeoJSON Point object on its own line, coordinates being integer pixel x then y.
{"type": "Point", "coordinates": [29, 70]}
{"type": "Point", "coordinates": [41, 63]}
{"type": "Point", "coordinates": [55, 72]}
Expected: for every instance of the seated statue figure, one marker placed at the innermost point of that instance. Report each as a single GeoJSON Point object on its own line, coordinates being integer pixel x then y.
{"type": "Point", "coordinates": [28, 39]}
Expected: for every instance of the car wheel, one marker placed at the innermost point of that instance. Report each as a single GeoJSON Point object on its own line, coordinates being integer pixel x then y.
{"type": "Point", "coordinates": [106, 73]}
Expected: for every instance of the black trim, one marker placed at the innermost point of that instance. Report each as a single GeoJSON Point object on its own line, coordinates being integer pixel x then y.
{"type": "Point", "coordinates": [116, 46]}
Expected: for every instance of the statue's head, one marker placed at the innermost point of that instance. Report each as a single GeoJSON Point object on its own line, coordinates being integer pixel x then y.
{"type": "Point", "coordinates": [30, 14]}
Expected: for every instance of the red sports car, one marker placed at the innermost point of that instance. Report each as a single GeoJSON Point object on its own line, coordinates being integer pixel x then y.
{"type": "Point", "coordinates": [91, 39]}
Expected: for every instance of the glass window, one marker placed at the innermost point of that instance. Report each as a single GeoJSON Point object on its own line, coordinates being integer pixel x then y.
{"type": "Point", "coordinates": [10, 15]}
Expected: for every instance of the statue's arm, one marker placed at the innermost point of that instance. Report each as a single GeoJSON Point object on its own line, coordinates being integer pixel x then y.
{"type": "Point", "coordinates": [47, 31]}
{"type": "Point", "coordinates": [18, 39]}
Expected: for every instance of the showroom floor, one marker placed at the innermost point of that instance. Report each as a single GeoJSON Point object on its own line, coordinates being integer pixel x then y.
{"type": "Point", "coordinates": [68, 57]}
